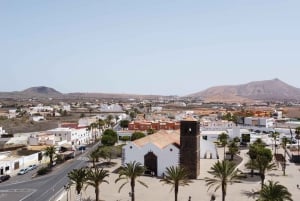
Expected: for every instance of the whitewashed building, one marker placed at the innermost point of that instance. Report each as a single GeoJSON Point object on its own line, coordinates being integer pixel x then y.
{"type": "Point", "coordinates": [259, 122]}
{"type": "Point", "coordinates": [71, 135]}
{"type": "Point", "coordinates": [2, 131]}
{"type": "Point", "coordinates": [159, 150]}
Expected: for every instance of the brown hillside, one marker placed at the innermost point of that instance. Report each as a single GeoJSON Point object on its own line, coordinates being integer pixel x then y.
{"type": "Point", "coordinates": [260, 90]}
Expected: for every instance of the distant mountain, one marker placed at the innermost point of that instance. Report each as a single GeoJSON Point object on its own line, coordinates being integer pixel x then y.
{"type": "Point", "coordinates": [259, 90]}
{"type": "Point", "coordinates": [41, 91]}
{"type": "Point", "coordinates": [47, 92]}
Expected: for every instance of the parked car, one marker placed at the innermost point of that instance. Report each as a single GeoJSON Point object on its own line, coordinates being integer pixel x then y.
{"type": "Point", "coordinates": [23, 171]}
{"type": "Point", "coordinates": [32, 167]}
{"type": "Point", "coordinates": [4, 178]}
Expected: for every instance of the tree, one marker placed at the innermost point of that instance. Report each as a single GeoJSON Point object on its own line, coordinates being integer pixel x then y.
{"type": "Point", "coordinates": [50, 152]}
{"type": "Point", "coordinates": [263, 162]}
{"type": "Point", "coordinates": [233, 149]}
{"type": "Point", "coordinates": [78, 177]}
{"type": "Point", "coordinates": [109, 119]}
{"type": "Point", "coordinates": [101, 123]}
{"type": "Point", "coordinates": [252, 154]}
{"type": "Point", "coordinates": [236, 139]}
{"type": "Point", "coordinates": [176, 176]}
{"type": "Point", "coordinates": [274, 136]}
{"type": "Point", "coordinates": [132, 115]}
{"type": "Point", "coordinates": [91, 128]}
{"type": "Point", "coordinates": [131, 171]}
{"type": "Point", "coordinates": [124, 123]}
{"type": "Point", "coordinates": [109, 137]}
{"type": "Point", "coordinates": [223, 173]}
{"type": "Point", "coordinates": [274, 191]}
{"type": "Point", "coordinates": [106, 152]}
{"type": "Point", "coordinates": [95, 177]}
{"type": "Point", "coordinates": [223, 138]}
{"type": "Point", "coordinates": [94, 157]}
{"type": "Point", "coordinates": [137, 135]}
{"type": "Point", "coordinates": [245, 138]}
{"type": "Point", "coordinates": [284, 141]}
{"type": "Point", "coordinates": [297, 131]}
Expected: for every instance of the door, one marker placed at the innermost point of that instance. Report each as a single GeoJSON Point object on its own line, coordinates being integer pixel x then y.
{"type": "Point", "coordinates": [150, 161]}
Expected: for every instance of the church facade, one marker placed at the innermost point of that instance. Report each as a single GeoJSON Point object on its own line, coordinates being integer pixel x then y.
{"type": "Point", "coordinates": [167, 148]}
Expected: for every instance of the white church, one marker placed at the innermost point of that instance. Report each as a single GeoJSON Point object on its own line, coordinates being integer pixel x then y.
{"type": "Point", "coordinates": [162, 149]}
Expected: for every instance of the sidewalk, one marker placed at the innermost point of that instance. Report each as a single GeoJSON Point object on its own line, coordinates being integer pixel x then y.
{"type": "Point", "coordinates": [197, 190]}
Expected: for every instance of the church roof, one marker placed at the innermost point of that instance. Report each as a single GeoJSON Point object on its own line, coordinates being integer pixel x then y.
{"type": "Point", "coordinates": [161, 139]}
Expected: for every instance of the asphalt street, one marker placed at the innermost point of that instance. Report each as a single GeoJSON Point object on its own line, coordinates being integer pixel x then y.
{"type": "Point", "coordinates": [41, 188]}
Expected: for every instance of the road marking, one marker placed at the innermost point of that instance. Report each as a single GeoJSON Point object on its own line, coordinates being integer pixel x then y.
{"type": "Point", "coordinates": [27, 195]}
{"type": "Point", "coordinates": [25, 190]}
{"type": "Point", "coordinates": [83, 158]}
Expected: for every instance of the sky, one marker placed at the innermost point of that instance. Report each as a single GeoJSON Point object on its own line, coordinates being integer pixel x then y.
{"type": "Point", "coordinates": [147, 47]}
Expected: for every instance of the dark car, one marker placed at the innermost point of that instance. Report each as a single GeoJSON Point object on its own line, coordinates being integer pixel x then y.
{"type": "Point", "coordinates": [4, 178]}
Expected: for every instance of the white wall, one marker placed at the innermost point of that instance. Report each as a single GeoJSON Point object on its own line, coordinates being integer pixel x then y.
{"type": "Point", "coordinates": [165, 157]}
{"type": "Point", "coordinates": [208, 148]}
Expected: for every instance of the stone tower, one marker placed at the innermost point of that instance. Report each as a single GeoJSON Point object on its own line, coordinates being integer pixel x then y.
{"type": "Point", "coordinates": [190, 147]}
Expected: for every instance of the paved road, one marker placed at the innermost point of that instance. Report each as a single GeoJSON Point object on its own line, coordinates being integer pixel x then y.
{"type": "Point", "coordinates": [44, 188]}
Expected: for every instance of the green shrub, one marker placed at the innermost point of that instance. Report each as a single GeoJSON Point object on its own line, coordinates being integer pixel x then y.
{"type": "Point", "coordinates": [43, 171]}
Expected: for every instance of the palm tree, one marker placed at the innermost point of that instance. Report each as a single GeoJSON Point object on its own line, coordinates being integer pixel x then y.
{"type": "Point", "coordinates": [233, 149]}
{"type": "Point", "coordinates": [223, 173]}
{"type": "Point", "coordinates": [274, 136]}
{"type": "Point", "coordinates": [131, 171]}
{"type": "Point", "coordinates": [50, 152]}
{"type": "Point", "coordinates": [263, 163]}
{"type": "Point", "coordinates": [95, 177]}
{"type": "Point", "coordinates": [78, 177]}
{"type": "Point", "coordinates": [297, 131]}
{"type": "Point", "coordinates": [176, 176]}
{"type": "Point", "coordinates": [100, 124]}
{"type": "Point", "coordinates": [274, 192]}
{"type": "Point", "coordinates": [253, 152]}
{"type": "Point", "coordinates": [284, 142]}
{"type": "Point", "coordinates": [93, 127]}
{"type": "Point", "coordinates": [94, 157]}
{"type": "Point", "coordinates": [223, 137]}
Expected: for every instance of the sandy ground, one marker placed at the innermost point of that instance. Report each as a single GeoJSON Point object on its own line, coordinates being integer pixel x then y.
{"type": "Point", "coordinates": [158, 191]}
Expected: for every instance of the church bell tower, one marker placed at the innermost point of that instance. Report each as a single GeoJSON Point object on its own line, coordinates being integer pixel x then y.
{"type": "Point", "coordinates": [190, 147]}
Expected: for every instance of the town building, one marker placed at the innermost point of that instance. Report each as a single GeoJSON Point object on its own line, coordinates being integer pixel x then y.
{"type": "Point", "coordinates": [259, 122]}
{"type": "Point", "coordinates": [157, 151]}
{"type": "Point", "coordinates": [155, 125]}
{"type": "Point", "coordinates": [170, 148]}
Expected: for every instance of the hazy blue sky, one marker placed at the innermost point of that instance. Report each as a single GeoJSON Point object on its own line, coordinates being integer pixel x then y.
{"type": "Point", "coordinates": [147, 46]}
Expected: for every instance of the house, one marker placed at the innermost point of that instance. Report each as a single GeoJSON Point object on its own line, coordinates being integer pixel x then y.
{"type": "Point", "coordinates": [259, 122]}
{"type": "Point", "coordinates": [71, 135]}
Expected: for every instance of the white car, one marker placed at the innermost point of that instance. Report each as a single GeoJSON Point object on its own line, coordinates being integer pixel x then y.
{"type": "Point", "coordinates": [32, 167]}
{"type": "Point", "coordinates": [23, 171]}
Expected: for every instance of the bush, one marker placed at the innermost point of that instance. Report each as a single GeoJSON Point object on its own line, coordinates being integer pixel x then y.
{"type": "Point", "coordinates": [137, 135]}
{"type": "Point", "coordinates": [124, 123]}
{"type": "Point", "coordinates": [43, 171]}
{"type": "Point", "coordinates": [108, 140]}
{"type": "Point", "coordinates": [125, 138]}
{"type": "Point", "coordinates": [109, 137]}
